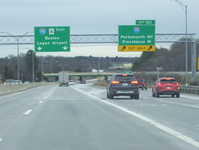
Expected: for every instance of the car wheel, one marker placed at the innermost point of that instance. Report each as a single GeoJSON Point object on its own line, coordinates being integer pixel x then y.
{"type": "Point", "coordinates": [153, 95]}
{"type": "Point", "coordinates": [107, 95]}
{"type": "Point", "coordinates": [157, 95]}
{"type": "Point", "coordinates": [145, 88]}
{"type": "Point", "coordinates": [111, 96]}
{"type": "Point", "coordinates": [178, 95]}
{"type": "Point", "coordinates": [136, 96]}
{"type": "Point", "coordinates": [173, 95]}
{"type": "Point", "coordinates": [142, 88]}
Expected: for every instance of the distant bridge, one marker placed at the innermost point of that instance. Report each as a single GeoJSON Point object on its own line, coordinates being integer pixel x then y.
{"type": "Point", "coordinates": [106, 74]}
{"type": "Point", "coordinates": [81, 74]}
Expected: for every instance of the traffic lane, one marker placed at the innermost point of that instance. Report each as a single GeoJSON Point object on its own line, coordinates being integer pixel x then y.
{"type": "Point", "coordinates": [68, 119]}
{"type": "Point", "coordinates": [175, 113]}
{"type": "Point", "coordinates": [11, 105]}
{"type": "Point", "coordinates": [16, 105]}
{"type": "Point", "coordinates": [188, 100]}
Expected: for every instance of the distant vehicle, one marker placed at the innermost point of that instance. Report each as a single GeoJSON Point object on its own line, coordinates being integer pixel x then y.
{"type": "Point", "coordinates": [26, 82]}
{"type": "Point", "coordinates": [9, 82]}
{"type": "Point", "coordinates": [123, 84]}
{"type": "Point", "coordinates": [142, 83]}
{"type": "Point", "coordinates": [166, 86]}
{"type": "Point", "coordinates": [83, 82]}
{"type": "Point", "coordinates": [71, 82]}
{"type": "Point", "coordinates": [18, 82]}
{"type": "Point", "coordinates": [63, 78]}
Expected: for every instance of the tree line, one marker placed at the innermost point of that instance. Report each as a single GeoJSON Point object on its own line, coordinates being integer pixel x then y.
{"type": "Point", "coordinates": [172, 59]}
{"type": "Point", "coordinates": [52, 64]}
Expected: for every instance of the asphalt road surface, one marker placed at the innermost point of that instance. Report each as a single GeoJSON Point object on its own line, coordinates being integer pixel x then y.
{"type": "Point", "coordinates": [80, 117]}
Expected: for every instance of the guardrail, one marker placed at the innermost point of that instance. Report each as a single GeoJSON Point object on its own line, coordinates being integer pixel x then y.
{"type": "Point", "coordinates": [7, 89]}
{"type": "Point", "coordinates": [189, 89]}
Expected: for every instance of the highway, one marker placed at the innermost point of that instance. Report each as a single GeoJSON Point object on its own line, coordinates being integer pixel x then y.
{"type": "Point", "coordinates": [80, 117]}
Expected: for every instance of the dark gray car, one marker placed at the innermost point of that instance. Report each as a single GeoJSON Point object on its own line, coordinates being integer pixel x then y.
{"type": "Point", "coordinates": [123, 85]}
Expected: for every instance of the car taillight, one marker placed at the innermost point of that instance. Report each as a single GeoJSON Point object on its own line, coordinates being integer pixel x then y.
{"type": "Point", "coordinates": [178, 88]}
{"type": "Point", "coordinates": [159, 83]}
{"type": "Point", "coordinates": [134, 82]}
{"type": "Point", "coordinates": [115, 82]}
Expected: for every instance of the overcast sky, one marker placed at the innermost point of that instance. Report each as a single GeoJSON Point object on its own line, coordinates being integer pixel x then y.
{"type": "Point", "coordinates": [94, 16]}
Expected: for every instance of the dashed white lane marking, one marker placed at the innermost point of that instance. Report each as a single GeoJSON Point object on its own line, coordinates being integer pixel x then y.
{"type": "Point", "coordinates": [190, 106]}
{"type": "Point", "coordinates": [40, 102]}
{"type": "Point", "coordinates": [150, 121]}
{"type": "Point", "coordinates": [28, 112]}
{"type": "Point", "coordinates": [152, 105]}
{"type": "Point", "coordinates": [1, 139]}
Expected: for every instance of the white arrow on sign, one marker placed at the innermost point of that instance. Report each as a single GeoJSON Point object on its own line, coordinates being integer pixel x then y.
{"type": "Point", "coordinates": [65, 48]}
{"type": "Point", "coordinates": [39, 48]}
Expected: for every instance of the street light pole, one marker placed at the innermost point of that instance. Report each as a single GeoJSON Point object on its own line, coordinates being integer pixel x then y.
{"type": "Point", "coordinates": [18, 58]}
{"type": "Point", "coordinates": [33, 67]}
{"type": "Point", "coordinates": [184, 7]}
{"type": "Point", "coordinates": [186, 52]}
{"type": "Point", "coordinates": [17, 39]}
{"type": "Point", "coordinates": [42, 68]}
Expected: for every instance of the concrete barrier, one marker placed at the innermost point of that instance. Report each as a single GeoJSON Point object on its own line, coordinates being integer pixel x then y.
{"type": "Point", "coordinates": [189, 89]}
{"type": "Point", "coordinates": [6, 89]}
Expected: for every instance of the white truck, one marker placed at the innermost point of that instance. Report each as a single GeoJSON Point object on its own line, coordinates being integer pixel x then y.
{"type": "Point", "coordinates": [63, 78]}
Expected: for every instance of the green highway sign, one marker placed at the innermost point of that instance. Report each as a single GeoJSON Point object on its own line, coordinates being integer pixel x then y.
{"type": "Point", "coordinates": [128, 72]}
{"type": "Point", "coordinates": [136, 38]}
{"type": "Point", "coordinates": [145, 22]}
{"type": "Point", "coordinates": [52, 39]}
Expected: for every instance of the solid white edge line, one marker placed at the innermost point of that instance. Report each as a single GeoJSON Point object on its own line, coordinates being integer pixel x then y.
{"type": "Point", "coordinates": [28, 112]}
{"type": "Point", "coordinates": [150, 121]}
{"type": "Point", "coordinates": [1, 139]}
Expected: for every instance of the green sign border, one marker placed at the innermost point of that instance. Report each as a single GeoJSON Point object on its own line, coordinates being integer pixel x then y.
{"type": "Point", "coordinates": [52, 39]}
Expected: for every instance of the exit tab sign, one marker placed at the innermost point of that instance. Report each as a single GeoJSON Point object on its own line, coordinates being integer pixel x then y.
{"type": "Point", "coordinates": [52, 39]}
{"type": "Point", "coordinates": [145, 22]}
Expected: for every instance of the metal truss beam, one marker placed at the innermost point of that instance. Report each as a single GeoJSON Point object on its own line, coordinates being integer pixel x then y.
{"type": "Point", "coordinates": [92, 38]}
{"type": "Point", "coordinates": [106, 38]}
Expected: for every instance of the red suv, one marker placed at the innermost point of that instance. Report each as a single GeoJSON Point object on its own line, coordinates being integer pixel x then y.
{"type": "Point", "coordinates": [142, 83]}
{"type": "Point", "coordinates": [166, 86]}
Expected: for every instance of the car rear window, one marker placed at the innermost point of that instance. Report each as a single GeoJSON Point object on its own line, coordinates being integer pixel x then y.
{"type": "Point", "coordinates": [124, 78]}
{"type": "Point", "coordinates": [140, 80]}
{"type": "Point", "coordinates": [168, 80]}
{"type": "Point", "coordinates": [9, 81]}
